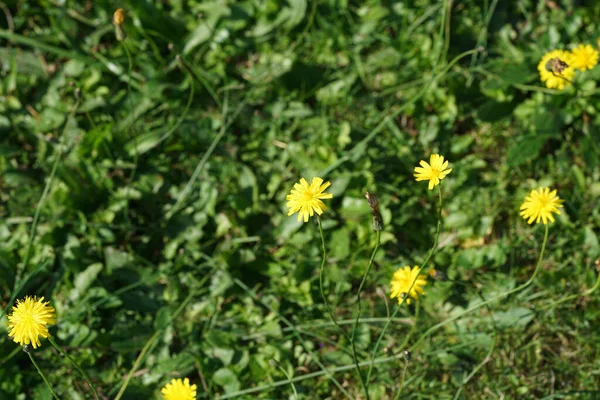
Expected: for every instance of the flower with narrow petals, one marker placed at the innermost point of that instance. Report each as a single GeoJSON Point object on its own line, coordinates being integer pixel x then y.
{"type": "Point", "coordinates": [179, 389]}
{"type": "Point", "coordinates": [584, 57]}
{"type": "Point", "coordinates": [556, 69]}
{"type": "Point", "coordinates": [434, 172]}
{"type": "Point", "coordinates": [305, 199]}
{"type": "Point", "coordinates": [403, 279]}
{"type": "Point", "coordinates": [29, 320]}
{"type": "Point", "coordinates": [539, 205]}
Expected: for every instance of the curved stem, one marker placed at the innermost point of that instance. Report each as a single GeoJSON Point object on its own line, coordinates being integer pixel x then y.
{"type": "Point", "coordinates": [321, 273]}
{"type": "Point", "coordinates": [356, 321]}
{"type": "Point", "coordinates": [37, 367]}
{"type": "Point", "coordinates": [133, 133]}
{"type": "Point", "coordinates": [574, 296]}
{"type": "Point", "coordinates": [501, 296]}
{"type": "Point", "coordinates": [402, 380]}
{"type": "Point", "coordinates": [60, 148]}
{"type": "Point", "coordinates": [403, 299]}
{"type": "Point", "coordinates": [413, 327]}
{"type": "Point", "coordinates": [81, 371]}
{"type": "Point", "coordinates": [488, 356]}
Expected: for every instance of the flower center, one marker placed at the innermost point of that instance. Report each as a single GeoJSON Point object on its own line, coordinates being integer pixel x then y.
{"type": "Point", "coordinates": [308, 195]}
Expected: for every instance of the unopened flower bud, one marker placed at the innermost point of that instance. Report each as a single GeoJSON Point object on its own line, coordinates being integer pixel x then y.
{"type": "Point", "coordinates": [374, 204]}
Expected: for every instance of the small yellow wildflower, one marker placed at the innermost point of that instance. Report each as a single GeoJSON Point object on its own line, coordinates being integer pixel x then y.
{"type": "Point", "coordinates": [402, 280]}
{"type": "Point", "coordinates": [305, 199]}
{"type": "Point", "coordinates": [539, 205]}
{"type": "Point", "coordinates": [553, 77]}
{"type": "Point", "coordinates": [179, 390]}
{"type": "Point", "coordinates": [433, 172]}
{"type": "Point", "coordinates": [29, 320]}
{"type": "Point", "coordinates": [119, 16]}
{"type": "Point", "coordinates": [584, 57]}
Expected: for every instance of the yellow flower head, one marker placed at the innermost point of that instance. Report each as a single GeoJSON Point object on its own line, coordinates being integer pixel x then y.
{"type": "Point", "coordinates": [556, 69]}
{"type": "Point", "coordinates": [584, 57]}
{"type": "Point", "coordinates": [539, 205]}
{"type": "Point", "coordinates": [119, 16]}
{"type": "Point", "coordinates": [179, 390]}
{"type": "Point", "coordinates": [434, 172]}
{"type": "Point", "coordinates": [403, 279]}
{"type": "Point", "coordinates": [29, 320]}
{"type": "Point", "coordinates": [305, 199]}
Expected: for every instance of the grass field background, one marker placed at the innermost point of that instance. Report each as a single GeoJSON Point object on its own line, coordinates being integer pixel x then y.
{"type": "Point", "coordinates": [143, 185]}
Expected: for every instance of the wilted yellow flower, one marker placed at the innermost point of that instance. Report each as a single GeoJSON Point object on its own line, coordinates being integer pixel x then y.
{"type": "Point", "coordinates": [306, 199]}
{"type": "Point", "coordinates": [29, 320]}
{"type": "Point", "coordinates": [539, 205]}
{"type": "Point", "coordinates": [403, 278]}
{"type": "Point", "coordinates": [119, 16]}
{"type": "Point", "coordinates": [584, 57]}
{"type": "Point", "coordinates": [434, 172]}
{"type": "Point", "coordinates": [179, 390]}
{"type": "Point", "coordinates": [556, 70]}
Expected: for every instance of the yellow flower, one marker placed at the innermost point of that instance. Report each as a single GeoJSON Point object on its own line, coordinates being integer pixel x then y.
{"type": "Point", "coordinates": [179, 390]}
{"type": "Point", "coordinates": [119, 16]}
{"type": "Point", "coordinates": [403, 279]}
{"type": "Point", "coordinates": [556, 77]}
{"type": "Point", "coordinates": [584, 57]}
{"type": "Point", "coordinates": [433, 172]}
{"type": "Point", "coordinates": [29, 320]}
{"type": "Point", "coordinates": [539, 205]}
{"type": "Point", "coordinates": [305, 199]}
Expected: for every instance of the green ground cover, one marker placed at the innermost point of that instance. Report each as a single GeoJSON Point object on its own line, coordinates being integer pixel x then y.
{"type": "Point", "coordinates": [143, 188]}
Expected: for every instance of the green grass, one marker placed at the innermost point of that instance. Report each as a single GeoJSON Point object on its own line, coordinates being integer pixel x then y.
{"type": "Point", "coordinates": [143, 184]}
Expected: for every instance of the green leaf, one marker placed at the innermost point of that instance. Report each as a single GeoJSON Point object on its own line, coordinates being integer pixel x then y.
{"type": "Point", "coordinates": [517, 317]}
{"type": "Point", "coordinates": [525, 149]}
{"type": "Point", "coordinates": [84, 280]}
{"type": "Point", "coordinates": [227, 379]}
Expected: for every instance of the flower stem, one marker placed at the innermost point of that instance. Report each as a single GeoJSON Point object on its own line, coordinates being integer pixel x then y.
{"type": "Point", "coordinates": [403, 299]}
{"type": "Point", "coordinates": [364, 382]}
{"type": "Point", "coordinates": [402, 380]}
{"type": "Point", "coordinates": [500, 296]}
{"type": "Point", "coordinates": [321, 273]}
{"type": "Point", "coordinates": [83, 373]}
{"type": "Point", "coordinates": [37, 367]}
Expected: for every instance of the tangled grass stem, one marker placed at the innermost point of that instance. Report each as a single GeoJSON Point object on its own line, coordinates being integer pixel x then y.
{"type": "Point", "coordinates": [364, 382]}
{"type": "Point", "coordinates": [484, 303]}
{"type": "Point", "coordinates": [77, 366]}
{"type": "Point", "coordinates": [321, 274]}
{"type": "Point", "coordinates": [37, 367]}
{"type": "Point", "coordinates": [423, 266]}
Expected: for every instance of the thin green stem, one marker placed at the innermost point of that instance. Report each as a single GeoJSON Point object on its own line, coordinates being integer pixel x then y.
{"type": "Point", "coordinates": [140, 358]}
{"type": "Point", "coordinates": [402, 380]}
{"type": "Point", "coordinates": [413, 327]}
{"type": "Point", "coordinates": [391, 115]}
{"type": "Point", "coordinates": [36, 216]}
{"type": "Point", "coordinates": [37, 367]}
{"type": "Point", "coordinates": [81, 371]}
{"type": "Point", "coordinates": [287, 322]}
{"type": "Point", "coordinates": [301, 378]}
{"type": "Point", "coordinates": [321, 274]}
{"type": "Point", "coordinates": [188, 187]}
{"type": "Point", "coordinates": [499, 297]}
{"type": "Point", "coordinates": [287, 376]}
{"type": "Point", "coordinates": [488, 356]}
{"type": "Point", "coordinates": [574, 296]}
{"type": "Point", "coordinates": [135, 144]}
{"type": "Point", "coordinates": [356, 321]}
{"type": "Point", "coordinates": [403, 299]}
